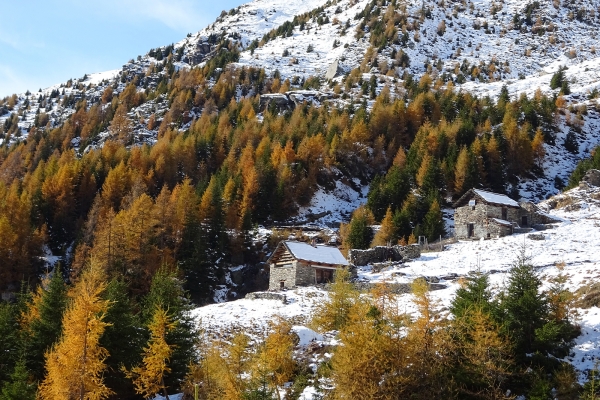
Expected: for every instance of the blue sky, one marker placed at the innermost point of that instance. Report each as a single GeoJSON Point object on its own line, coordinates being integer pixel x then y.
{"type": "Point", "coordinates": [47, 42]}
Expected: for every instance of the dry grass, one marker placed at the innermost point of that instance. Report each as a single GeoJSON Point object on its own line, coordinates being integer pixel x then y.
{"type": "Point", "coordinates": [588, 296]}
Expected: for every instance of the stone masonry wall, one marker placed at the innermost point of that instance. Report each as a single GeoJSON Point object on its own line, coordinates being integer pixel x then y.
{"type": "Point", "coordinates": [305, 275]}
{"type": "Point", "coordinates": [381, 253]}
{"type": "Point", "coordinates": [278, 274]}
{"type": "Point", "coordinates": [471, 215]}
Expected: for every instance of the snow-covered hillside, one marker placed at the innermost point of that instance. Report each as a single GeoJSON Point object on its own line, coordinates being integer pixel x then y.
{"type": "Point", "coordinates": [480, 45]}
{"type": "Point", "coordinates": [571, 248]}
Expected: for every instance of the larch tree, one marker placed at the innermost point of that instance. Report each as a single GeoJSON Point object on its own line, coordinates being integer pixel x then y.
{"type": "Point", "coordinates": [75, 365]}
{"type": "Point", "coordinates": [274, 363]}
{"type": "Point", "coordinates": [149, 377]}
{"type": "Point", "coordinates": [386, 234]}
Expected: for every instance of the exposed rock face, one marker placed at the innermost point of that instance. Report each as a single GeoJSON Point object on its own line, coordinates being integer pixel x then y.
{"type": "Point", "coordinates": [592, 178]}
{"type": "Point", "coordinates": [291, 99]}
{"type": "Point", "coordinates": [333, 70]}
{"type": "Point", "coordinates": [381, 253]}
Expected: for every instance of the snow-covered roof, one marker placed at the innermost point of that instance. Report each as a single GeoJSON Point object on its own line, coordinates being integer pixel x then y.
{"type": "Point", "coordinates": [496, 198]}
{"type": "Point", "coordinates": [488, 197]}
{"type": "Point", "coordinates": [501, 221]}
{"type": "Point", "coordinates": [318, 253]}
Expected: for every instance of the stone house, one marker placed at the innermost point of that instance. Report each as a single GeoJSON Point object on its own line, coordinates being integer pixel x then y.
{"type": "Point", "coordinates": [482, 214]}
{"type": "Point", "coordinates": [301, 264]}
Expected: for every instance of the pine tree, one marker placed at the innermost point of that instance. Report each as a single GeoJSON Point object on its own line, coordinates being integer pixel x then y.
{"type": "Point", "coordinates": [523, 305]}
{"type": "Point", "coordinates": [167, 292]}
{"type": "Point", "coordinates": [20, 386]}
{"type": "Point", "coordinates": [43, 320]}
{"type": "Point", "coordinates": [359, 234]}
{"type": "Point", "coordinates": [9, 339]}
{"type": "Point", "coordinates": [75, 365]}
{"type": "Point", "coordinates": [474, 294]}
{"type": "Point", "coordinates": [433, 223]}
{"type": "Point", "coordinates": [149, 378]}
{"type": "Point", "coordinates": [122, 338]}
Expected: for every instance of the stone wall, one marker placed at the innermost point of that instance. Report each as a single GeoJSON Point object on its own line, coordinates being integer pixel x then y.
{"type": "Point", "coordinates": [476, 215]}
{"type": "Point", "coordinates": [305, 275]}
{"type": "Point", "coordinates": [381, 253]}
{"type": "Point", "coordinates": [286, 274]}
{"type": "Point", "coordinates": [534, 215]}
{"type": "Point", "coordinates": [479, 215]}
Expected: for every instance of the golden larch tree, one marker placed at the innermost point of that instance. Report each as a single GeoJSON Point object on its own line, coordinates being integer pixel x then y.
{"type": "Point", "coordinates": [74, 366]}
{"type": "Point", "coordinates": [149, 378]}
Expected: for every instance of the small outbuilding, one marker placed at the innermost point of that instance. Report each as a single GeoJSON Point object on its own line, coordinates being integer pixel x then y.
{"type": "Point", "coordinates": [482, 214]}
{"type": "Point", "coordinates": [295, 264]}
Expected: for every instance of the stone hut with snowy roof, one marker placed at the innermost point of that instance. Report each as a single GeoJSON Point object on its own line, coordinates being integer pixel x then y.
{"type": "Point", "coordinates": [295, 264]}
{"type": "Point", "coordinates": [482, 214]}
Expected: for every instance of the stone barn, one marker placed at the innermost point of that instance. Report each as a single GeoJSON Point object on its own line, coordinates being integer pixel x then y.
{"type": "Point", "coordinates": [301, 264]}
{"type": "Point", "coordinates": [482, 214]}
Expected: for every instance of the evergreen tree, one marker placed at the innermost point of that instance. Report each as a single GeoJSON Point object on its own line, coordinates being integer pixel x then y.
{"type": "Point", "coordinates": [359, 232]}
{"type": "Point", "coordinates": [20, 386]}
{"type": "Point", "coordinates": [75, 365]}
{"type": "Point", "coordinates": [433, 223]}
{"type": "Point", "coordinates": [122, 338]}
{"type": "Point", "coordinates": [43, 320]}
{"type": "Point", "coordinates": [167, 293]}
{"type": "Point", "coordinates": [523, 305]}
{"type": "Point", "coordinates": [474, 294]}
{"type": "Point", "coordinates": [9, 339]}
{"type": "Point", "coordinates": [149, 378]}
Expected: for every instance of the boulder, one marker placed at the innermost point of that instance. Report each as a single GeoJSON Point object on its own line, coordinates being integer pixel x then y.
{"type": "Point", "coordinates": [536, 236]}
{"type": "Point", "coordinates": [592, 177]}
{"type": "Point", "coordinates": [333, 70]}
{"type": "Point", "coordinates": [280, 100]}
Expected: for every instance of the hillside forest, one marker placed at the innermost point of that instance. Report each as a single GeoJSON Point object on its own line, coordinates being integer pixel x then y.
{"type": "Point", "coordinates": [146, 231]}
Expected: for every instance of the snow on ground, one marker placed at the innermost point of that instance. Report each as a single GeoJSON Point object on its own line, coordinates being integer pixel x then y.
{"type": "Point", "coordinates": [98, 77]}
{"type": "Point", "coordinates": [559, 162]}
{"type": "Point", "coordinates": [337, 204]}
{"type": "Point", "coordinates": [574, 242]}
{"type": "Point", "coordinates": [327, 42]}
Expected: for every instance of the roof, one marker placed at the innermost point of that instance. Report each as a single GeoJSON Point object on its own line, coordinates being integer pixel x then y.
{"type": "Point", "coordinates": [488, 197]}
{"type": "Point", "coordinates": [496, 198]}
{"type": "Point", "coordinates": [319, 253]}
{"type": "Point", "coordinates": [500, 221]}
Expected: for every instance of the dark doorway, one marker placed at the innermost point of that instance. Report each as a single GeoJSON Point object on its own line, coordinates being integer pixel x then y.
{"type": "Point", "coordinates": [470, 230]}
{"type": "Point", "coordinates": [524, 220]}
{"type": "Point", "coordinates": [504, 213]}
{"type": "Point", "coordinates": [281, 284]}
{"type": "Point", "coordinates": [323, 275]}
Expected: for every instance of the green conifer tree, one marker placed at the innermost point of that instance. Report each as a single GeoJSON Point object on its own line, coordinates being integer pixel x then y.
{"type": "Point", "coordinates": [45, 315]}
{"type": "Point", "coordinates": [20, 386]}
{"type": "Point", "coordinates": [167, 292]}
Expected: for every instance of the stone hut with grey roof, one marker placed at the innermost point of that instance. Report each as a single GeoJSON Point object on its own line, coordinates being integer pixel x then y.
{"type": "Point", "coordinates": [295, 264]}
{"type": "Point", "coordinates": [482, 214]}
